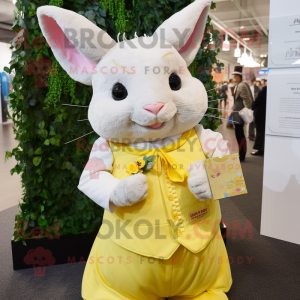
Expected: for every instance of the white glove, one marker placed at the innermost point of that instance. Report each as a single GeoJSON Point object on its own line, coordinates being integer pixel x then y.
{"type": "Point", "coordinates": [130, 190]}
{"type": "Point", "coordinates": [198, 181]}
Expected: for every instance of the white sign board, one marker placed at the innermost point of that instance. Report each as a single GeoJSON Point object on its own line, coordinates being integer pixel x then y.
{"type": "Point", "coordinates": [284, 104]}
{"type": "Point", "coordinates": [285, 41]}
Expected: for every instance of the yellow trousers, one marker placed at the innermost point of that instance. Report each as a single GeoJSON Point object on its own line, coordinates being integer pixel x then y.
{"type": "Point", "coordinates": [113, 272]}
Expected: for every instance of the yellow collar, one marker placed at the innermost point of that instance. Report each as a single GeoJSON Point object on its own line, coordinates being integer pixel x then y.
{"type": "Point", "coordinates": [175, 173]}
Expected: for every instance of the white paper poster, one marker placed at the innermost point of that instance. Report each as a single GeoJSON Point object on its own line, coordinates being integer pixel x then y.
{"type": "Point", "coordinates": [284, 105]}
{"type": "Point", "coordinates": [285, 40]}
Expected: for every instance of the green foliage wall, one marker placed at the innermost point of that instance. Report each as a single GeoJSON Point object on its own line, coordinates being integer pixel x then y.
{"type": "Point", "coordinates": [49, 169]}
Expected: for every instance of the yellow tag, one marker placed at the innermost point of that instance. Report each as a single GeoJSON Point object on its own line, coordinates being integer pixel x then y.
{"type": "Point", "coordinates": [198, 214]}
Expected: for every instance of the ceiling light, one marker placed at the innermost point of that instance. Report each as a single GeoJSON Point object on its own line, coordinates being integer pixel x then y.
{"type": "Point", "coordinates": [246, 39]}
{"type": "Point", "coordinates": [237, 51]}
{"type": "Point", "coordinates": [242, 27]}
{"type": "Point", "coordinates": [250, 62]}
{"type": "Point", "coordinates": [226, 44]}
{"type": "Point", "coordinates": [242, 60]}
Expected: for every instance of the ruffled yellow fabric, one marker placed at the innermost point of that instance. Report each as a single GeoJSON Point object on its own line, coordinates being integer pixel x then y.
{"type": "Point", "coordinates": [175, 173]}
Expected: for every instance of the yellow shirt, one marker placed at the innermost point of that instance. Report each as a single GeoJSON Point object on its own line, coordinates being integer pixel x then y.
{"type": "Point", "coordinates": [170, 216]}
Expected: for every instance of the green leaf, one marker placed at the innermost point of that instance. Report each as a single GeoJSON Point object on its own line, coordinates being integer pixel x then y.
{"type": "Point", "coordinates": [43, 133]}
{"type": "Point", "coordinates": [44, 193]}
{"type": "Point", "coordinates": [38, 151]}
{"type": "Point", "coordinates": [55, 141]}
{"type": "Point", "coordinates": [73, 169]}
{"type": "Point", "coordinates": [59, 118]}
{"type": "Point", "coordinates": [31, 223]}
{"type": "Point", "coordinates": [31, 152]}
{"type": "Point", "coordinates": [33, 216]}
{"type": "Point", "coordinates": [42, 208]}
{"type": "Point", "coordinates": [47, 142]}
{"type": "Point", "coordinates": [151, 158]}
{"type": "Point", "coordinates": [42, 124]}
{"type": "Point", "coordinates": [101, 21]}
{"type": "Point", "coordinates": [37, 160]}
{"type": "Point", "coordinates": [50, 202]}
{"type": "Point", "coordinates": [32, 102]}
{"type": "Point", "coordinates": [150, 165]}
{"type": "Point", "coordinates": [6, 69]}
{"type": "Point", "coordinates": [22, 53]}
{"type": "Point", "coordinates": [68, 165]}
{"type": "Point", "coordinates": [8, 154]}
{"type": "Point", "coordinates": [102, 12]}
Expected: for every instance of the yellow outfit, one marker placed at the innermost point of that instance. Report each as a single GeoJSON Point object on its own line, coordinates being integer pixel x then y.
{"type": "Point", "coordinates": [172, 246]}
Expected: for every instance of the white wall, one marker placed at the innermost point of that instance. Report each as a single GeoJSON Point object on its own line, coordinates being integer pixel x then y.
{"type": "Point", "coordinates": [5, 56]}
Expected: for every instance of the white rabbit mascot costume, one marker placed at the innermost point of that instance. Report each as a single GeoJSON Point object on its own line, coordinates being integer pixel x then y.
{"type": "Point", "coordinates": [160, 236]}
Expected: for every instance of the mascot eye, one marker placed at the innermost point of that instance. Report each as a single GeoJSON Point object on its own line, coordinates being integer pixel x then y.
{"type": "Point", "coordinates": [119, 92]}
{"type": "Point", "coordinates": [175, 82]}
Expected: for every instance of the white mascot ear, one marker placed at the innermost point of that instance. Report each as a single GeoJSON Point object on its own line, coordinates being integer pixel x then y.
{"type": "Point", "coordinates": [77, 44]}
{"type": "Point", "coordinates": [185, 29]}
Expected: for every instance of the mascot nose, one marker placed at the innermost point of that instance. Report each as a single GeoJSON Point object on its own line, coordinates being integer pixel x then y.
{"type": "Point", "coordinates": [154, 108]}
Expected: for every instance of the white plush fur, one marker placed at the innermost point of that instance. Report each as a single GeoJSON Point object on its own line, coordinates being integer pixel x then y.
{"type": "Point", "coordinates": [127, 119]}
{"type": "Point", "coordinates": [130, 190]}
{"type": "Point", "coordinates": [198, 181]}
{"type": "Point", "coordinates": [67, 19]}
{"type": "Point", "coordinates": [148, 83]}
{"type": "Point", "coordinates": [187, 20]}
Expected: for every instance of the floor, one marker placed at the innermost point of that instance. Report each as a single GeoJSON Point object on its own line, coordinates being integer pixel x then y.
{"type": "Point", "coordinates": [262, 267]}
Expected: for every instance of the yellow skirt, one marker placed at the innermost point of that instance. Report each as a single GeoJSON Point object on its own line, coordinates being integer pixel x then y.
{"type": "Point", "coordinates": [113, 272]}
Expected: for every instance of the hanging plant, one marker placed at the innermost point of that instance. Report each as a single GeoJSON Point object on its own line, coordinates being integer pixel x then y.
{"type": "Point", "coordinates": [59, 82]}
{"type": "Point", "coordinates": [58, 3]}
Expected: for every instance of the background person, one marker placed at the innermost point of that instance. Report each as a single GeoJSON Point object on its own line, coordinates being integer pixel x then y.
{"type": "Point", "coordinates": [259, 107]}
{"type": "Point", "coordinates": [258, 83]}
{"type": "Point", "coordinates": [223, 93]}
{"type": "Point", "coordinates": [229, 102]}
{"type": "Point", "coordinates": [254, 91]}
{"type": "Point", "coordinates": [242, 98]}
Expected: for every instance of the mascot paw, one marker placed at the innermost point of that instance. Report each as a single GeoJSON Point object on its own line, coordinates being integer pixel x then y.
{"type": "Point", "coordinates": [130, 190]}
{"type": "Point", "coordinates": [198, 181]}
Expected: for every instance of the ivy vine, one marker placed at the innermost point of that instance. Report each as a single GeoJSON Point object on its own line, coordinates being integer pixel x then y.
{"type": "Point", "coordinates": [59, 82]}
